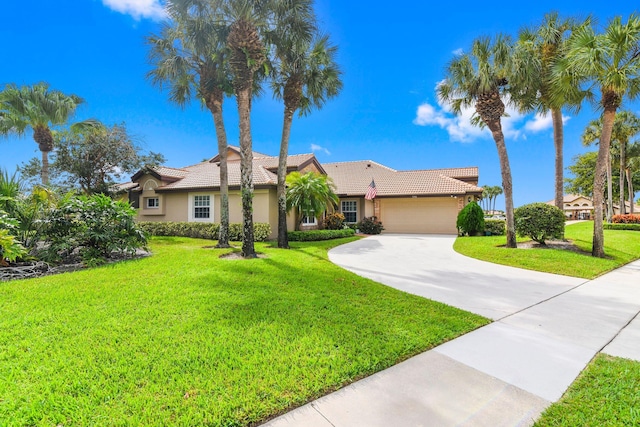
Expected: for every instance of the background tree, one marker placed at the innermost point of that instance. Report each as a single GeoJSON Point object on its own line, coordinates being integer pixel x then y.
{"type": "Point", "coordinates": [190, 58]}
{"type": "Point", "coordinates": [582, 171]}
{"type": "Point", "coordinates": [537, 51]}
{"type": "Point", "coordinates": [36, 108]}
{"type": "Point", "coordinates": [480, 79]}
{"type": "Point", "coordinates": [306, 75]}
{"type": "Point", "coordinates": [309, 194]}
{"type": "Point", "coordinates": [633, 172]}
{"type": "Point", "coordinates": [611, 62]}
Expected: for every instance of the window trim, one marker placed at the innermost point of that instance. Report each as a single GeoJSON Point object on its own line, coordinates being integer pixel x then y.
{"type": "Point", "coordinates": [342, 211]}
{"type": "Point", "coordinates": [149, 199]}
{"type": "Point", "coordinates": [315, 221]}
{"type": "Point", "coordinates": [192, 207]}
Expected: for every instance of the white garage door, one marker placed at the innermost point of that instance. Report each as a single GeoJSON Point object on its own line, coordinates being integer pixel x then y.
{"type": "Point", "coordinates": [429, 215]}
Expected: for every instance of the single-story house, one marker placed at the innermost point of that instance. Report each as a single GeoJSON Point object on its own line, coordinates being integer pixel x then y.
{"type": "Point", "coordinates": [577, 206]}
{"type": "Point", "coordinates": [417, 201]}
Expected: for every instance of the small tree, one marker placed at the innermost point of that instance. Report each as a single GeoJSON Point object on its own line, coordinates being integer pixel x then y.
{"type": "Point", "coordinates": [540, 222]}
{"type": "Point", "coordinates": [309, 194]}
{"type": "Point", "coordinates": [470, 219]}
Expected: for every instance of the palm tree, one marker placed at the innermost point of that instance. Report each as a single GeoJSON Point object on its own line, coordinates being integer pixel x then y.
{"type": "Point", "coordinates": [310, 194]}
{"type": "Point", "coordinates": [306, 76]}
{"type": "Point", "coordinates": [38, 108]}
{"type": "Point", "coordinates": [189, 56]}
{"type": "Point", "coordinates": [537, 51]}
{"type": "Point", "coordinates": [633, 165]}
{"type": "Point", "coordinates": [479, 79]}
{"type": "Point", "coordinates": [611, 62]}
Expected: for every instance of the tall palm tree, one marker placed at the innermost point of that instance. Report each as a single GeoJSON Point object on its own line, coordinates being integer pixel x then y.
{"type": "Point", "coordinates": [310, 194]}
{"type": "Point", "coordinates": [609, 61]}
{"type": "Point", "coordinates": [38, 108]}
{"type": "Point", "coordinates": [633, 165]}
{"type": "Point", "coordinates": [306, 76]}
{"type": "Point", "coordinates": [537, 51]}
{"type": "Point", "coordinates": [480, 79]}
{"type": "Point", "coordinates": [190, 58]}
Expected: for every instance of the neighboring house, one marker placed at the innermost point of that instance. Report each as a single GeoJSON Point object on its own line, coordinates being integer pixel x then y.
{"type": "Point", "coordinates": [577, 206]}
{"type": "Point", "coordinates": [425, 201]}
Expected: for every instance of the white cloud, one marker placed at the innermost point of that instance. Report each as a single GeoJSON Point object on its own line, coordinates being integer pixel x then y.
{"type": "Point", "coordinates": [542, 122]}
{"type": "Point", "coordinates": [138, 8]}
{"type": "Point", "coordinates": [316, 147]}
{"type": "Point", "coordinates": [458, 52]}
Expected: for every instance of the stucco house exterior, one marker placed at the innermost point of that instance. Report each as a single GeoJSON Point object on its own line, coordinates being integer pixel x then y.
{"type": "Point", "coordinates": [577, 206]}
{"type": "Point", "coordinates": [419, 201]}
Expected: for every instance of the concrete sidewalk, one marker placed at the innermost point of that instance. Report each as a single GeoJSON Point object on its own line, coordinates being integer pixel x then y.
{"type": "Point", "coordinates": [548, 328]}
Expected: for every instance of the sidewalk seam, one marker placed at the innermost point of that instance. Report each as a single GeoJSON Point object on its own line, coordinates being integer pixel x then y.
{"type": "Point", "coordinates": [322, 415]}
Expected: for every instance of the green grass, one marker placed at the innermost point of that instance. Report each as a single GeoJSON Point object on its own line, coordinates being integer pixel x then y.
{"type": "Point", "coordinates": [621, 248]}
{"type": "Point", "coordinates": [607, 393]}
{"type": "Point", "coordinates": [186, 338]}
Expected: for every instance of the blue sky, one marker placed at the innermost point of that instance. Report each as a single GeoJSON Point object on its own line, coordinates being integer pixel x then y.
{"type": "Point", "coordinates": [392, 55]}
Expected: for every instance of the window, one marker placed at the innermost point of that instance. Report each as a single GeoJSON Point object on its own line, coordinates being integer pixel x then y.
{"type": "Point", "coordinates": [153, 203]}
{"type": "Point", "coordinates": [309, 220]}
{"type": "Point", "coordinates": [349, 209]}
{"type": "Point", "coordinates": [201, 207]}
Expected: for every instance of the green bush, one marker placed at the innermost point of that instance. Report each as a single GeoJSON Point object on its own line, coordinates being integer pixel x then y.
{"type": "Point", "coordinates": [315, 235]}
{"type": "Point", "coordinates": [622, 226]}
{"type": "Point", "coordinates": [470, 220]}
{"type": "Point", "coordinates": [203, 230]}
{"type": "Point", "coordinates": [95, 226]}
{"type": "Point", "coordinates": [497, 227]}
{"type": "Point", "coordinates": [539, 222]}
{"type": "Point", "coordinates": [334, 221]}
{"type": "Point", "coordinates": [370, 225]}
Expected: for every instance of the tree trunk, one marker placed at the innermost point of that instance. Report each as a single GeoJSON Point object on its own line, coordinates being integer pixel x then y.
{"type": "Point", "coordinates": [44, 173]}
{"type": "Point", "coordinates": [246, 170]}
{"type": "Point", "coordinates": [630, 188]}
{"type": "Point", "coordinates": [221, 134]}
{"type": "Point", "coordinates": [608, 118]}
{"type": "Point", "coordinates": [623, 167]}
{"type": "Point", "coordinates": [558, 142]}
{"type": "Point", "coordinates": [283, 240]}
{"type": "Point", "coordinates": [609, 187]}
{"type": "Point", "coordinates": [496, 130]}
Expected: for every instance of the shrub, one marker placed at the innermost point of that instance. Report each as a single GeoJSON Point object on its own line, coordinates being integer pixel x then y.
{"type": "Point", "coordinates": [626, 219]}
{"type": "Point", "coordinates": [315, 235]}
{"type": "Point", "coordinates": [622, 226]}
{"type": "Point", "coordinates": [96, 226]}
{"type": "Point", "coordinates": [470, 219]}
{"type": "Point", "coordinates": [540, 222]}
{"type": "Point", "coordinates": [203, 230]}
{"type": "Point", "coordinates": [497, 227]}
{"type": "Point", "coordinates": [334, 221]}
{"type": "Point", "coordinates": [370, 225]}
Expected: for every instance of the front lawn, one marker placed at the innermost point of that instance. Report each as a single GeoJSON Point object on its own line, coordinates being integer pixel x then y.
{"type": "Point", "coordinates": [607, 393]}
{"type": "Point", "coordinates": [621, 248]}
{"type": "Point", "coordinates": [187, 338]}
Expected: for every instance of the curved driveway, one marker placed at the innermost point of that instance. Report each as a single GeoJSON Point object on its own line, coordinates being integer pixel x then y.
{"type": "Point", "coordinates": [427, 265]}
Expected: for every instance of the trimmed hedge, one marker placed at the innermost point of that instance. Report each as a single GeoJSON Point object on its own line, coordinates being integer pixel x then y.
{"type": "Point", "coordinates": [626, 219]}
{"type": "Point", "coordinates": [623, 226]}
{"type": "Point", "coordinates": [497, 227]}
{"type": "Point", "coordinates": [315, 235]}
{"type": "Point", "coordinates": [203, 230]}
{"type": "Point", "coordinates": [539, 222]}
{"type": "Point", "coordinates": [470, 220]}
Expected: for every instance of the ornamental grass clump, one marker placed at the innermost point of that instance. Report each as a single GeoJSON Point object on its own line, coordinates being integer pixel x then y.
{"type": "Point", "coordinates": [470, 220]}
{"type": "Point", "coordinates": [539, 222]}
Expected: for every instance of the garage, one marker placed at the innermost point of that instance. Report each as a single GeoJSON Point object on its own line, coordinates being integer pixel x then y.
{"type": "Point", "coordinates": [428, 215]}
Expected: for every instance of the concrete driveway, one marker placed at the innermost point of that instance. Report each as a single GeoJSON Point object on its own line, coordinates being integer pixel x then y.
{"type": "Point", "coordinates": [547, 329]}
{"type": "Point", "coordinates": [427, 265]}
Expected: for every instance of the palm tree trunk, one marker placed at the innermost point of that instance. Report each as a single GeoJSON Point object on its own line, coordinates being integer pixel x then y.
{"type": "Point", "coordinates": [608, 118]}
{"type": "Point", "coordinates": [44, 173]}
{"type": "Point", "coordinates": [623, 167]}
{"type": "Point", "coordinates": [283, 240]}
{"type": "Point", "coordinates": [630, 188]}
{"type": "Point", "coordinates": [246, 170]}
{"type": "Point", "coordinates": [558, 142]}
{"type": "Point", "coordinates": [496, 129]}
{"type": "Point", "coordinates": [609, 188]}
{"type": "Point", "coordinates": [221, 134]}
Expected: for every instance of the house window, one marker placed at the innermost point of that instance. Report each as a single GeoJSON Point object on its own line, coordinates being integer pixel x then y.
{"type": "Point", "coordinates": [201, 207]}
{"type": "Point", "coordinates": [349, 209]}
{"type": "Point", "coordinates": [306, 220]}
{"type": "Point", "coordinates": [153, 203]}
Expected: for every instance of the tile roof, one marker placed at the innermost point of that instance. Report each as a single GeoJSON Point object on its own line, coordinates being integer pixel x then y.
{"type": "Point", "coordinates": [353, 179]}
{"type": "Point", "coordinates": [207, 175]}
